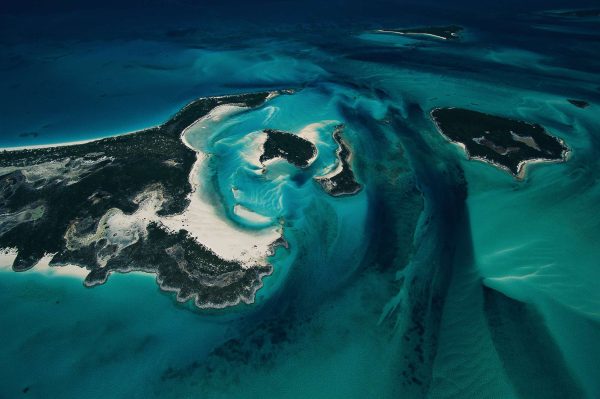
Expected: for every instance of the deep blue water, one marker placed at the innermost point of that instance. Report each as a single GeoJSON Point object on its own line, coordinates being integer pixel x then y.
{"type": "Point", "coordinates": [498, 278]}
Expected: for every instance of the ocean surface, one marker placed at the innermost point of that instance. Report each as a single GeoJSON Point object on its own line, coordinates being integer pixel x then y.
{"type": "Point", "coordinates": [443, 278]}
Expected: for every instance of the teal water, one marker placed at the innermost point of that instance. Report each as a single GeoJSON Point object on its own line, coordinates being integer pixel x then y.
{"type": "Point", "coordinates": [442, 278]}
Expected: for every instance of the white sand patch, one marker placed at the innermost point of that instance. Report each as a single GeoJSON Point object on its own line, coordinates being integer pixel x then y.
{"type": "Point", "coordinates": [271, 111]}
{"type": "Point", "coordinates": [204, 221]}
{"type": "Point", "coordinates": [274, 94]}
{"type": "Point", "coordinates": [253, 148]}
{"type": "Point", "coordinates": [313, 131]}
{"type": "Point", "coordinates": [7, 257]}
{"type": "Point", "coordinates": [201, 129]}
{"type": "Point", "coordinates": [527, 140]}
{"type": "Point", "coordinates": [249, 215]}
{"type": "Point", "coordinates": [278, 170]}
{"type": "Point", "coordinates": [209, 228]}
{"type": "Point", "coordinates": [43, 266]}
{"type": "Point", "coordinates": [118, 230]}
{"type": "Point", "coordinates": [334, 170]}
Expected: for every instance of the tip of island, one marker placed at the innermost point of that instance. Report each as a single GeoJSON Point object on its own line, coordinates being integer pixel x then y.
{"type": "Point", "coordinates": [451, 32]}
{"type": "Point", "coordinates": [579, 103]}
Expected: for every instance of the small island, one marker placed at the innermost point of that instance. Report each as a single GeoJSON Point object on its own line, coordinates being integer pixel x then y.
{"type": "Point", "coordinates": [451, 32]}
{"type": "Point", "coordinates": [581, 13]}
{"type": "Point", "coordinates": [288, 146]}
{"type": "Point", "coordinates": [579, 103]}
{"type": "Point", "coordinates": [506, 143]}
{"type": "Point", "coordinates": [341, 180]}
{"type": "Point", "coordinates": [101, 205]}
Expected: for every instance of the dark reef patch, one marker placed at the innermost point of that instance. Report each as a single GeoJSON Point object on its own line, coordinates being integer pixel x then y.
{"type": "Point", "coordinates": [532, 359]}
{"type": "Point", "coordinates": [579, 103]}
{"type": "Point", "coordinates": [259, 348]}
{"type": "Point", "coordinates": [29, 134]}
{"type": "Point", "coordinates": [291, 147]}
{"type": "Point", "coordinates": [181, 32]}
{"type": "Point", "coordinates": [56, 201]}
{"type": "Point", "coordinates": [507, 143]}
{"type": "Point", "coordinates": [342, 182]}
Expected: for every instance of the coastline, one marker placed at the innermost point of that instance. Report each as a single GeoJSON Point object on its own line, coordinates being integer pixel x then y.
{"type": "Point", "coordinates": [65, 144]}
{"type": "Point", "coordinates": [200, 218]}
{"type": "Point", "coordinates": [272, 94]}
{"type": "Point", "coordinates": [8, 255]}
{"type": "Point", "coordinates": [205, 224]}
{"type": "Point", "coordinates": [343, 166]}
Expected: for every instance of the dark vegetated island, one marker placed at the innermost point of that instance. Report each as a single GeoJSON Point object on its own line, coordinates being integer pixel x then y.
{"type": "Point", "coordinates": [301, 152]}
{"type": "Point", "coordinates": [59, 200]}
{"type": "Point", "coordinates": [579, 103]}
{"type": "Point", "coordinates": [288, 146]}
{"type": "Point", "coordinates": [342, 180]}
{"type": "Point", "coordinates": [451, 32]}
{"type": "Point", "coordinates": [507, 143]}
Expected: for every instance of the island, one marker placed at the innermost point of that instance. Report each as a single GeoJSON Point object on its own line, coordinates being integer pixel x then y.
{"type": "Point", "coordinates": [581, 13]}
{"type": "Point", "coordinates": [506, 143]}
{"type": "Point", "coordinates": [100, 206]}
{"type": "Point", "coordinates": [451, 32]}
{"type": "Point", "coordinates": [288, 146]}
{"type": "Point", "coordinates": [341, 181]}
{"type": "Point", "coordinates": [579, 103]}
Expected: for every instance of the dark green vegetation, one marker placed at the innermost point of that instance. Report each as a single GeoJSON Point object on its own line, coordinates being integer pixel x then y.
{"type": "Point", "coordinates": [58, 201]}
{"type": "Point", "coordinates": [343, 182]}
{"type": "Point", "coordinates": [288, 146]}
{"type": "Point", "coordinates": [184, 266]}
{"type": "Point", "coordinates": [504, 142]}
{"type": "Point", "coordinates": [579, 103]}
{"type": "Point", "coordinates": [442, 32]}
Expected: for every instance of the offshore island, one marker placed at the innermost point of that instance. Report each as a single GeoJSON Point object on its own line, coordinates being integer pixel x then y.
{"type": "Point", "coordinates": [451, 32]}
{"type": "Point", "coordinates": [288, 146]}
{"type": "Point", "coordinates": [300, 152]}
{"type": "Point", "coordinates": [506, 143]}
{"type": "Point", "coordinates": [341, 181]}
